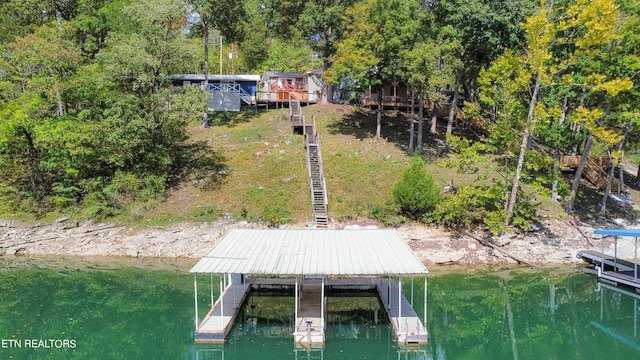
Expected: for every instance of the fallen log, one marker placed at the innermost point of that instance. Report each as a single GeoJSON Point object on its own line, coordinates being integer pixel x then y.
{"type": "Point", "coordinates": [103, 228]}
{"type": "Point", "coordinates": [581, 233]}
{"type": "Point", "coordinates": [495, 247]}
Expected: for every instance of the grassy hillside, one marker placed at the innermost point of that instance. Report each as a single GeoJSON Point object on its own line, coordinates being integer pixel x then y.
{"type": "Point", "coordinates": [263, 169]}
{"type": "Point", "coordinates": [250, 166]}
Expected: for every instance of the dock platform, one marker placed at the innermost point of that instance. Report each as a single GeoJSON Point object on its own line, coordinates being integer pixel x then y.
{"type": "Point", "coordinates": [310, 323]}
{"type": "Point", "coordinates": [218, 322]}
{"type": "Point", "coordinates": [406, 324]}
{"type": "Point", "coordinates": [610, 262]}
{"type": "Point", "coordinates": [612, 269]}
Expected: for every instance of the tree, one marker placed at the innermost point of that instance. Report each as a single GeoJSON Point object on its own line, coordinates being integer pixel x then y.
{"type": "Point", "coordinates": [514, 76]}
{"type": "Point", "coordinates": [370, 54]}
{"type": "Point", "coordinates": [225, 16]}
{"type": "Point", "coordinates": [416, 195]}
{"type": "Point", "coordinates": [484, 29]}
{"type": "Point", "coordinates": [38, 63]}
{"type": "Point", "coordinates": [594, 27]}
{"type": "Point", "coordinates": [322, 24]}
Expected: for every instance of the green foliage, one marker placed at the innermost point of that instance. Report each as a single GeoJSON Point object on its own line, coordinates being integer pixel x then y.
{"type": "Point", "coordinates": [275, 214]}
{"type": "Point", "coordinates": [416, 195]}
{"type": "Point", "coordinates": [561, 136]}
{"type": "Point", "coordinates": [287, 56]}
{"type": "Point", "coordinates": [483, 205]}
{"type": "Point", "coordinates": [9, 200]}
{"type": "Point", "coordinates": [387, 214]}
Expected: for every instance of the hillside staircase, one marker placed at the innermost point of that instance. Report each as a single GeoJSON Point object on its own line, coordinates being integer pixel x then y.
{"type": "Point", "coordinates": [317, 184]}
{"type": "Point", "coordinates": [295, 115]}
{"type": "Point", "coordinates": [595, 170]}
{"type": "Point", "coordinates": [596, 174]}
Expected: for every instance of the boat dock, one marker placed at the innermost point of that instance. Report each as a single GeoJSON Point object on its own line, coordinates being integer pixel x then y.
{"type": "Point", "coordinates": [609, 262]}
{"type": "Point", "coordinates": [309, 264]}
{"type": "Point", "coordinates": [612, 268]}
{"type": "Point", "coordinates": [309, 329]}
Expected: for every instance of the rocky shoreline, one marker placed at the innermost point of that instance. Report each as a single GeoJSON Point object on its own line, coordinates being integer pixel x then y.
{"type": "Point", "coordinates": [552, 242]}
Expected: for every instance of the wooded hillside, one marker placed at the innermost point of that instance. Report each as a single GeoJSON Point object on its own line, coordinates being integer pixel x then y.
{"type": "Point", "coordinates": [89, 124]}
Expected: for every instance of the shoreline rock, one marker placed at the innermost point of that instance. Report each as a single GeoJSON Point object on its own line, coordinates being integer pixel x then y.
{"type": "Point", "coordinates": [553, 242]}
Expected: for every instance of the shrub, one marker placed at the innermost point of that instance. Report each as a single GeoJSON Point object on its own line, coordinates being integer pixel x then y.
{"type": "Point", "coordinates": [387, 215]}
{"type": "Point", "coordinates": [275, 215]}
{"type": "Point", "coordinates": [416, 195]}
{"type": "Point", "coordinates": [484, 206]}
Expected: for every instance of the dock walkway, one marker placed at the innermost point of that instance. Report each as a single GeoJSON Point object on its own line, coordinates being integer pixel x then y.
{"type": "Point", "coordinates": [615, 270]}
{"type": "Point", "coordinates": [309, 328]}
{"type": "Point", "coordinates": [595, 258]}
{"type": "Point", "coordinates": [406, 324]}
{"type": "Point", "coordinates": [218, 322]}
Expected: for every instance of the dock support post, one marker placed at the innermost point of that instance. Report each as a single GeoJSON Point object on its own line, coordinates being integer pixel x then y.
{"type": "Point", "coordinates": [602, 255]}
{"type": "Point", "coordinates": [389, 293]}
{"type": "Point", "coordinates": [212, 302]}
{"type": "Point", "coordinates": [411, 290]}
{"type": "Point", "coordinates": [195, 290]}
{"type": "Point", "coordinates": [400, 304]}
{"type": "Point", "coordinates": [322, 303]}
{"type": "Point", "coordinates": [424, 315]}
{"type": "Point", "coordinates": [296, 305]}
{"type": "Point", "coordinates": [635, 268]}
{"type": "Point", "coordinates": [615, 251]}
{"type": "Point", "coordinates": [221, 299]}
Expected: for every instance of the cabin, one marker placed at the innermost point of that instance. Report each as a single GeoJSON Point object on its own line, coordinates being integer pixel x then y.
{"type": "Point", "coordinates": [228, 92]}
{"type": "Point", "coordinates": [284, 86]}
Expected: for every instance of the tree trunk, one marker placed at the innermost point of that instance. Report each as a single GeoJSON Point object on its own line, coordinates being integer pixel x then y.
{"type": "Point", "coordinates": [583, 159]}
{"type": "Point", "coordinates": [577, 127]}
{"type": "Point", "coordinates": [411, 123]}
{"type": "Point", "coordinates": [607, 189]}
{"type": "Point", "coordinates": [556, 167]}
{"type": "Point", "coordinates": [35, 176]}
{"type": "Point", "coordinates": [420, 120]}
{"type": "Point", "coordinates": [434, 118]}
{"type": "Point", "coordinates": [523, 150]}
{"type": "Point", "coordinates": [621, 168]}
{"type": "Point", "coordinates": [327, 89]}
{"type": "Point", "coordinates": [556, 155]}
{"type": "Point", "coordinates": [379, 114]}
{"type": "Point", "coordinates": [576, 178]}
{"type": "Point", "coordinates": [59, 101]}
{"type": "Point", "coordinates": [454, 103]}
{"type": "Point", "coordinates": [205, 114]}
{"type": "Point", "coordinates": [638, 176]}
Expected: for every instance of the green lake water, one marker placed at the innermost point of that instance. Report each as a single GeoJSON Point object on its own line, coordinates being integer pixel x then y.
{"type": "Point", "coordinates": [60, 308]}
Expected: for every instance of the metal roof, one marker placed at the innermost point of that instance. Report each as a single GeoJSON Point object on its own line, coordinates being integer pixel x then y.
{"type": "Point", "coordinates": [215, 77]}
{"type": "Point", "coordinates": [311, 252]}
{"type": "Point", "coordinates": [618, 232]}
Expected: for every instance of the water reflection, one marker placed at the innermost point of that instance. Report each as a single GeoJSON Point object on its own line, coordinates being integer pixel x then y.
{"type": "Point", "coordinates": [619, 314]}
{"type": "Point", "coordinates": [135, 312]}
{"type": "Point", "coordinates": [356, 329]}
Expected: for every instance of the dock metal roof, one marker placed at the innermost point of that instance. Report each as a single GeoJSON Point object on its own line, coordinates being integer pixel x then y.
{"type": "Point", "coordinates": [311, 252]}
{"type": "Point", "coordinates": [618, 232]}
